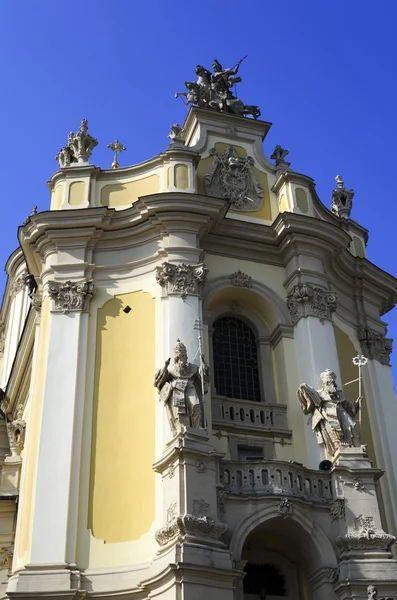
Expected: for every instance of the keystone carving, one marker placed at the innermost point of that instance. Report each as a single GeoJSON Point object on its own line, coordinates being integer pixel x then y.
{"type": "Point", "coordinates": [232, 178]}
{"type": "Point", "coordinates": [305, 300]}
{"type": "Point", "coordinates": [374, 345]}
{"type": "Point", "coordinates": [240, 279]}
{"type": "Point", "coordinates": [342, 199]}
{"type": "Point", "coordinates": [188, 528]}
{"type": "Point", "coordinates": [16, 433]}
{"type": "Point", "coordinates": [181, 279]}
{"type": "Point", "coordinates": [71, 296]}
{"type": "Point", "coordinates": [365, 537]}
{"type": "Point", "coordinates": [285, 508]}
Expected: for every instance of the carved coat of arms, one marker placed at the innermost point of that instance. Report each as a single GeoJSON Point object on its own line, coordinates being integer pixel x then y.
{"type": "Point", "coordinates": [232, 177]}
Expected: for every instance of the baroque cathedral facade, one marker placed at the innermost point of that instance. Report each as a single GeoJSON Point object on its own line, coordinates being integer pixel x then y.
{"type": "Point", "coordinates": [196, 394]}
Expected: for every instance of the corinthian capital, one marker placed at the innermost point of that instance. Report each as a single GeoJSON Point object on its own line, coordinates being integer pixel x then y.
{"type": "Point", "coordinates": [71, 295]}
{"type": "Point", "coordinates": [374, 345]}
{"type": "Point", "coordinates": [181, 279]}
{"type": "Point", "coordinates": [305, 300]}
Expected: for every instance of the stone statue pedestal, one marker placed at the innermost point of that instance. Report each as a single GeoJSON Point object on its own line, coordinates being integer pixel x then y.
{"type": "Point", "coordinates": [352, 457]}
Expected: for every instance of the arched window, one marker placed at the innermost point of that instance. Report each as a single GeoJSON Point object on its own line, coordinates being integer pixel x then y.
{"type": "Point", "coordinates": [263, 580]}
{"type": "Point", "coordinates": [235, 356]}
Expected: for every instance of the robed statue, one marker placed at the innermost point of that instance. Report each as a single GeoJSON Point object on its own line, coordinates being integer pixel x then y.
{"type": "Point", "coordinates": [332, 415]}
{"type": "Point", "coordinates": [181, 387]}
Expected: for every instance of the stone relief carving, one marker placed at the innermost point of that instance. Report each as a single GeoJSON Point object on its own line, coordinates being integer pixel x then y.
{"type": "Point", "coordinates": [372, 592]}
{"type": "Point", "coordinates": [374, 345]}
{"type": "Point", "coordinates": [285, 508]}
{"type": "Point", "coordinates": [71, 295]}
{"type": "Point", "coordinates": [338, 509]}
{"type": "Point", "coordinates": [365, 536]}
{"type": "Point", "coordinates": [331, 574]}
{"type": "Point", "coordinates": [305, 300]}
{"type": "Point", "coordinates": [171, 472]}
{"type": "Point", "coordinates": [221, 497]}
{"type": "Point", "coordinates": [332, 415]}
{"type": "Point", "coordinates": [201, 508]}
{"type": "Point", "coordinates": [4, 402]}
{"type": "Point", "coordinates": [357, 483]}
{"type": "Point", "coordinates": [201, 467]}
{"type": "Point", "coordinates": [2, 337]}
{"type": "Point", "coordinates": [175, 134]}
{"type": "Point", "coordinates": [342, 199]}
{"type": "Point", "coordinates": [190, 527]}
{"type": "Point", "coordinates": [231, 132]}
{"type": "Point", "coordinates": [6, 554]}
{"type": "Point", "coordinates": [78, 148]}
{"type": "Point", "coordinates": [181, 279]}
{"type": "Point", "coordinates": [232, 178]}
{"type": "Point", "coordinates": [16, 433]}
{"type": "Point", "coordinates": [213, 91]}
{"type": "Point", "coordinates": [240, 279]}
{"type": "Point", "coordinates": [180, 385]}
{"type": "Point", "coordinates": [18, 284]}
{"type": "Point", "coordinates": [171, 512]}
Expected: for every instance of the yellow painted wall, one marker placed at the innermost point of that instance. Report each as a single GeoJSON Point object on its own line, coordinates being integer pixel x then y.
{"type": "Point", "coordinates": [204, 165]}
{"type": "Point", "coordinates": [122, 484]}
{"type": "Point", "coordinates": [283, 203]}
{"type": "Point", "coordinates": [301, 200]}
{"type": "Point", "coordinates": [34, 425]}
{"type": "Point", "coordinates": [122, 194]}
{"type": "Point", "coordinates": [57, 196]}
{"type": "Point", "coordinates": [76, 193]}
{"type": "Point", "coordinates": [181, 177]}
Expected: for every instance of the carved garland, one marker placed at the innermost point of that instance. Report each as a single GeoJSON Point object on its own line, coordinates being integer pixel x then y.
{"type": "Point", "coordinates": [71, 296]}
{"type": "Point", "coordinates": [305, 300]}
{"type": "Point", "coordinates": [190, 526]}
{"type": "Point", "coordinates": [366, 536]}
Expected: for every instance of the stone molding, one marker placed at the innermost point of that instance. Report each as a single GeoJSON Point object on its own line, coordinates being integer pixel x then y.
{"type": "Point", "coordinates": [374, 345]}
{"type": "Point", "coordinates": [181, 279]}
{"type": "Point", "coordinates": [71, 296]}
{"type": "Point", "coordinates": [190, 526]}
{"type": "Point", "coordinates": [16, 433]}
{"type": "Point", "coordinates": [240, 279]}
{"type": "Point", "coordinates": [365, 537]}
{"type": "Point", "coordinates": [306, 300]}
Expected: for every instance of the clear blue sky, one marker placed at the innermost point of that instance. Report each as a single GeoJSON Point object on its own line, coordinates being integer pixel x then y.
{"type": "Point", "coordinates": [322, 71]}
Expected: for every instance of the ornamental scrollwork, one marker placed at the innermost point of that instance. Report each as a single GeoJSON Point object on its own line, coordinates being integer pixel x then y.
{"type": "Point", "coordinates": [285, 508]}
{"type": "Point", "coordinates": [374, 345]}
{"type": "Point", "coordinates": [305, 300]}
{"type": "Point", "coordinates": [365, 536]}
{"type": "Point", "coordinates": [338, 509]}
{"type": "Point", "coordinates": [181, 279]}
{"type": "Point", "coordinates": [240, 279]}
{"type": "Point", "coordinates": [16, 433]}
{"type": "Point", "coordinates": [190, 527]}
{"type": "Point", "coordinates": [71, 296]}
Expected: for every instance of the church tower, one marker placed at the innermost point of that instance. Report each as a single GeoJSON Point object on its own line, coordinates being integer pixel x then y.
{"type": "Point", "coordinates": [196, 395]}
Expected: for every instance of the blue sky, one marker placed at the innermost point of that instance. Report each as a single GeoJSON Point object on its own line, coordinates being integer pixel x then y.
{"type": "Point", "coordinates": [323, 72]}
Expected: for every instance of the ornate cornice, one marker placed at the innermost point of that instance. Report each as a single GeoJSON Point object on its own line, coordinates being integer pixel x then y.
{"type": "Point", "coordinates": [305, 300]}
{"type": "Point", "coordinates": [181, 279]}
{"type": "Point", "coordinates": [190, 526]}
{"type": "Point", "coordinates": [71, 296]}
{"type": "Point", "coordinates": [374, 345]}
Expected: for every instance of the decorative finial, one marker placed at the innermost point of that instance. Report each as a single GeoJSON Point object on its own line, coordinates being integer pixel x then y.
{"type": "Point", "coordinates": [175, 134]}
{"type": "Point", "coordinates": [342, 199]}
{"type": "Point", "coordinates": [213, 91]}
{"type": "Point", "coordinates": [117, 147]}
{"type": "Point", "coordinates": [78, 148]}
{"type": "Point", "coordinates": [34, 210]}
{"type": "Point", "coordinates": [278, 156]}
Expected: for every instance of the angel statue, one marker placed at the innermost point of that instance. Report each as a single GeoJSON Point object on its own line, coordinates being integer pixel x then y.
{"type": "Point", "coordinates": [181, 389]}
{"type": "Point", "coordinates": [332, 415]}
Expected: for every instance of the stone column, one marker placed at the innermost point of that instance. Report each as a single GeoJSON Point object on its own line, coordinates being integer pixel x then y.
{"type": "Point", "coordinates": [311, 310]}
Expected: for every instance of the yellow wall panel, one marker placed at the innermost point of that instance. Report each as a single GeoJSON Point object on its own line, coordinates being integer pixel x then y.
{"type": "Point", "coordinates": [181, 177]}
{"type": "Point", "coordinates": [122, 485]}
{"type": "Point", "coordinates": [77, 193]}
{"type": "Point", "coordinates": [123, 194]}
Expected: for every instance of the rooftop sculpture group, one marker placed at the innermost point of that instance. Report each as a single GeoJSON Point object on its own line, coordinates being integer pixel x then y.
{"type": "Point", "coordinates": [213, 90]}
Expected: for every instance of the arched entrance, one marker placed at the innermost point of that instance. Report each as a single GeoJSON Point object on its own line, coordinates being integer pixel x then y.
{"type": "Point", "coordinates": [284, 558]}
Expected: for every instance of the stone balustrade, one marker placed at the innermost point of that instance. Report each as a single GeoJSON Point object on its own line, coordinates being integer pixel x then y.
{"type": "Point", "coordinates": [230, 414]}
{"type": "Point", "coordinates": [275, 477]}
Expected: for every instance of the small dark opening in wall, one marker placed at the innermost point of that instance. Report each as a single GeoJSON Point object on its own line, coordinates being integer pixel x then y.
{"type": "Point", "coordinates": [127, 309]}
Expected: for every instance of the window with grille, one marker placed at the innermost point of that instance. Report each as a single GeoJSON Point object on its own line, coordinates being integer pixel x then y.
{"type": "Point", "coordinates": [235, 355]}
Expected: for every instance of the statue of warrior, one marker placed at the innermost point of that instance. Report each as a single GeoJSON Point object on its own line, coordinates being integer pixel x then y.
{"type": "Point", "coordinates": [332, 415]}
{"type": "Point", "coordinates": [181, 389]}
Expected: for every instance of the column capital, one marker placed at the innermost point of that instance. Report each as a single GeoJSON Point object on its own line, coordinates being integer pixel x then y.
{"type": "Point", "coordinates": [181, 279]}
{"type": "Point", "coordinates": [375, 345]}
{"type": "Point", "coordinates": [307, 300]}
{"type": "Point", "coordinates": [70, 296]}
